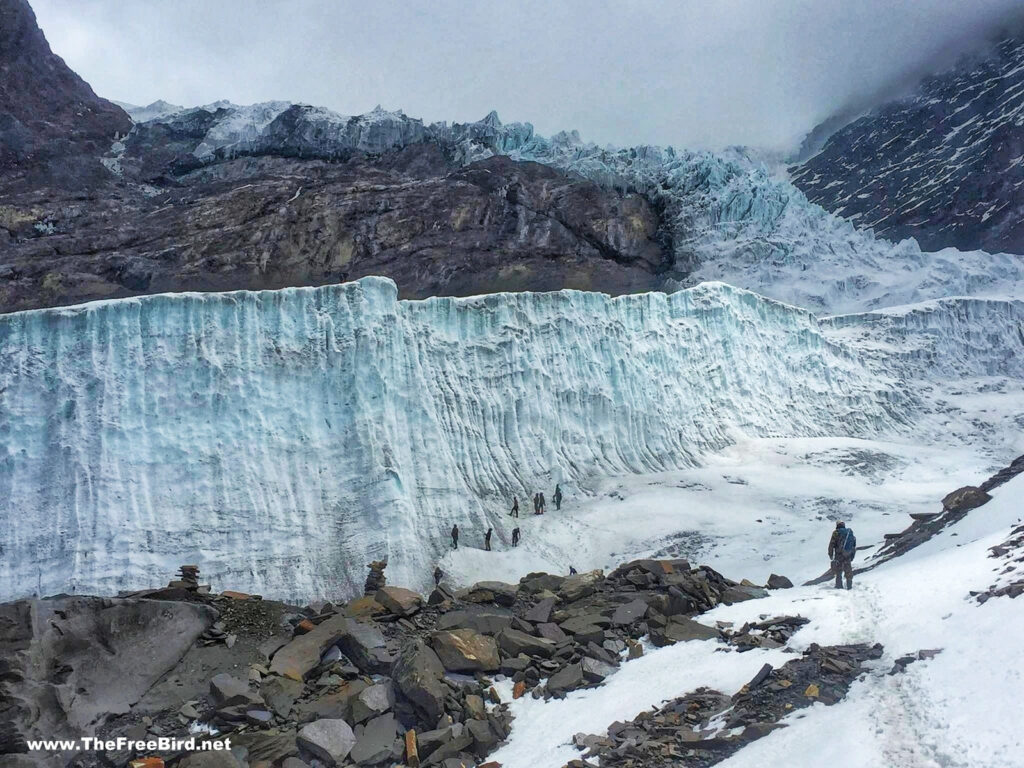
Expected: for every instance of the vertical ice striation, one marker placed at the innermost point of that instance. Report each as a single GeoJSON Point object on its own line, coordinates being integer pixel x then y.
{"type": "Point", "coordinates": [282, 439]}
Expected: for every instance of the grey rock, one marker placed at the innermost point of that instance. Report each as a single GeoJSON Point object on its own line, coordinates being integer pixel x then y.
{"type": "Point", "coordinates": [595, 671]}
{"type": "Point", "coordinates": [566, 679]}
{"type": "Point", "coordinates": [778, 582]}
{"type": "Point", "coordinates": [372, 701]}
{"type": "Point", "coordinates": [491, 592]}
{"type": "Point", "coordinates": [579, 586]}
{"type": "Point", "coordinates": [631, 612]}
{"type": "Point", "coordinates": [463, 650]}
{"type": "Point", "coordinates": [541, 612]}
{"type": "Point", "coordinates": [375, 742]}
{"type": "Point", "coordinates": [483, 619]}
{"type": "Point", "coordinates": [328, 740]}
{"type": "Point", "coordinates": [280, 693]}
{"type": "Point", "coordinates": [418, 673]}
{"type": "Point", "coordinates": [513, 642]}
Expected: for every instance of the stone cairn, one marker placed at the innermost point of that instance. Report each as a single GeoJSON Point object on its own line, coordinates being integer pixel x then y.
{"type": "Point", "coordinates": [187, 578]}
{"type": "Point", "coordinates": [375, 579]}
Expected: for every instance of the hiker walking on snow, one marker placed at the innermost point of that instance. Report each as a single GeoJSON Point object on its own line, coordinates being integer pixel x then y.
{"type": "Point", "coordinates": [487, 540]}
{"type": "Point", "coordinates": [536, 503]}
{"type": "Point", "coordinates": [558, 497]}
{"type": "Point", "coordinates": [455, 536]}
{"type": "Point", "coordinates": [515, 537]}
{"type": "Point", "coordinates": [841, 549]}
{"type": "Point", "coordinates": [438, 575]}
{"type": "Point", "coordinates": [543, 504]}
{"type": "Point", "coordinates": [514, 512]}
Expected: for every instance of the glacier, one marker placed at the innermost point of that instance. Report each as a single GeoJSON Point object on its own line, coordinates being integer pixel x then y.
{"type": "Point", "coordinates": [283, 439]}
{"type": "Point", "coordinates": [732, 216]}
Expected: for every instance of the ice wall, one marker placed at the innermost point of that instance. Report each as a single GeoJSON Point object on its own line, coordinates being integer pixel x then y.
{"type": "Point", "coordinates": [282, 439]}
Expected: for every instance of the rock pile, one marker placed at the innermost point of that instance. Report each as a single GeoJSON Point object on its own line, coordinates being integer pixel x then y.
{"type": "Point", "coordinates": [375, 579]}
{"type": "Point", "coordinates": [705, 727]}
{"type": "Point", "coordinates": [188, 578]}
{"type": "Point", "coordinates": [390, 677]}
{"type": "Point", "coordinates": [1011, 581]}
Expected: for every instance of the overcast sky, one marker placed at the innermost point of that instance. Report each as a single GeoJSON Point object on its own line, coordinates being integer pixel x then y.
{"type": "Point", "coordinates": [701, 73]}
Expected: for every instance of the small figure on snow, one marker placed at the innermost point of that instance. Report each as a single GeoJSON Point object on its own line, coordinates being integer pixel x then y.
{"type": "Point", "coordinates": [487, 539]}
{"type": "Point", "coordinates": [558, 497]}
{"type": "Point", "coordinates": [514, 512]}
{"type": "Point", "coordinates": [572, 570]}
{"type": "Point", "coordinates": [515, 536]}
{"type": "Point", "coordinates": [841, 549]}
{"type": "Point", "coordinates": [455, 536]}
{"type": "Point", "coordinates": [438, 575]}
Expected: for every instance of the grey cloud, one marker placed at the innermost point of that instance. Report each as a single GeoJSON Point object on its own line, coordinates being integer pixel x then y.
{"type": "Point", "coordinates": [693, 74]}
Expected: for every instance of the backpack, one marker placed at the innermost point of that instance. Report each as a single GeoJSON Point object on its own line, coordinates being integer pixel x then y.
{"type": "Point", "coordinates": [847, 543]}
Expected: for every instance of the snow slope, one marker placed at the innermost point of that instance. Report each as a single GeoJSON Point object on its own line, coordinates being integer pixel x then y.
{"type": "Point", "coordinates": [282, 439]}
{"type": "Point", "coordinates": [956, 709]}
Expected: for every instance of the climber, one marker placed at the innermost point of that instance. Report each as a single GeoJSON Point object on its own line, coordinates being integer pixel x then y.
{"type": "Point", "coordinates": [841, 549]}
{"type": "Point", "coordinates": [455, 536]}
{"type": "Point", "coordinates": [536, 503]}
{"type": "Point", "coordinates": [558, 497]}
{"type": "Point", "coordinates": [438, 575]}
{"type": "Point", "coordinates": [572, 570]}
{"type": "Point", "coordinates": [543, 504]}
{"type": "Point", "coordinates": [487, 539]}
{"type": "Point", "coordinates": [515, 537]}
{"type": "Point", "coordinates": [514, 512]}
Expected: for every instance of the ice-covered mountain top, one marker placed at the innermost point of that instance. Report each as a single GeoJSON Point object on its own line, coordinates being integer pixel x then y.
{"type": "Point", "coordinates": [730, 215]}
{"type": "Point", "coordinates": [153, 111]}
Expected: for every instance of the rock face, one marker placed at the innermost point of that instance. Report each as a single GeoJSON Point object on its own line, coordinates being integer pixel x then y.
{"type": "Point", "coordinates": [418, 674]}
{"type": "Point", "coordinates": [941, 165]}
{"type": "Point", "coordinates": [110, 652]}
{"type": "Point", "coordinates": [276, 222]}
{"type": "Point", "coordinates": [53, 128]}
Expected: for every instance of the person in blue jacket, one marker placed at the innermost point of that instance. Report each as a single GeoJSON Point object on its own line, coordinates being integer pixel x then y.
{"type": "Point", "coordinates": [841, 549]}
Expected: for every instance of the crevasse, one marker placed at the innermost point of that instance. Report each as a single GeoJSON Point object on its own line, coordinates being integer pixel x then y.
{"type": "Point", "coordinates": [281, 439]}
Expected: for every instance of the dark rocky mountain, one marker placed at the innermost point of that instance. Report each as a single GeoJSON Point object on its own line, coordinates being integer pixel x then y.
{"type": "Point", "coordinates": [52, 126]}
{"type": "Point", "coordinates": [276, 195]}
{"type": "Point", "coordinates": [944, 165]}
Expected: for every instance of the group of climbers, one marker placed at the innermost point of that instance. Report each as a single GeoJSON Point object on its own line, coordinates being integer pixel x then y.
{"type": "Point", "coordinates": [539, 506]}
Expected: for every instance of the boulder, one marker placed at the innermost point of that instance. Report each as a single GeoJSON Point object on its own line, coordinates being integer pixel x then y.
{"type": "Point", "coordinates": [680, 629]}
{"type": "Point", "coordinates": [333, 706]}
{"type": "Point", "coordinates": [280, 693]}
{"type": "Point", "coordinates": [475, 707]}
{"type": "Point", "coordinates": [484, 737]}
{"type": "Point", "coordinates": [483, 619]}
{"type": "Point", "coordinates": [595, 671]}
{"type": "Point", "coordinates": [458, 739]}
{"type": "Point", "coordinates": [365, 607]}
{"type": "Point", "coordinates": [631, 612]}
{"type": "Point", "coordinates": [534, 583]}
{"type": "Point", "coordinates": [372, 702]}
{"type": "Point", "coordinates": [366, 647]}
{"type": "Point", "coordinates": [579, 586]}
{"type": "Point", "coordinates": [778, 582]}
{"type": "Point", "coordinates": [418, 673]}
{"type": "Point", "coordinates": [270, 746]}
{"type": "Point", "coordinates": [463, 650]}
{"type": "Point", "coordinates": [739, 592]}
{"type": "Point", "coordinates": [964, 499]}
{"type": "Point", "coordinates": [552, 632]}
{"type": "Point", "coordinates": [541, 612]}
{"type": "Point", "coordinates": [226, 690]}
{"type": "Point", "coordinates": [375, 742]}
{"type": "Point", "coordinates": [568, 678]}
{"type": "Point", "coordinates": [490, 592]}
{"type": "Point", "coordinates": [329, 741]}
{"type": "Point", "coordinates": [513, 642]}
{"type": "Point", "coordinates": [302, 655]}
{"type": "Point", "coordinates": [399, 601]}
